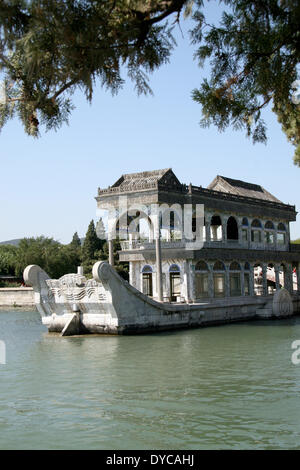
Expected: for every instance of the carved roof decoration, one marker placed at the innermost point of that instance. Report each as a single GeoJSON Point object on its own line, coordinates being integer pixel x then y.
{"type": "Point", "coordinates": [221, 188]}
{"type": "Point", "coordinates": [241, 188]}
{"type": "Point", "coordinates": [146, 179]}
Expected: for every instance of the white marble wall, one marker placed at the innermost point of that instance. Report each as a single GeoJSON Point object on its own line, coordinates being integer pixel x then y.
{"type": "Point", "coordinates": [136, 278]}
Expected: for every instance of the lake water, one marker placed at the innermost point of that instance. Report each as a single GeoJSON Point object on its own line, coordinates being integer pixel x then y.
{"type": "Point", "coordinates": [226, 387]}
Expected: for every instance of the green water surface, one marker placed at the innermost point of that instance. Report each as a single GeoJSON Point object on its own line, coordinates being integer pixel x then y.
{"type": "Point", "coordinates": [226, 387]}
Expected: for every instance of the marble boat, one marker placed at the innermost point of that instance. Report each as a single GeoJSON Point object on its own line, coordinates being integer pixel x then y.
{"type": "Point", "coordinates": [107, 304]}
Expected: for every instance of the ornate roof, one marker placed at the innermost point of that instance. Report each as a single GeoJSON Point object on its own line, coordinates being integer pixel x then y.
{"type": "Point", "coordinates": [241, 188]}
{"type": "Point", "coordinates": [146, 179]}
{"type": "Point", "coordinates": [220, 189]}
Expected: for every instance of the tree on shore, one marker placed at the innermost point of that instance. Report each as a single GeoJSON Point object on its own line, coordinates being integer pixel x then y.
{"type": "Point", "coordinates": [76, 242]}
{"type": "Point", "coordinates": [91, 248]}
{"type": "Point", "coordinates": [96, 249]}
{"type": "Point", "coordinates": [50, 49]}
{"type": "Point", "coordinates": [122, 268]}
{"type": "Point", "coordinates": [56, 259]}
{"type": "Point", "coordinates": [8, 259]}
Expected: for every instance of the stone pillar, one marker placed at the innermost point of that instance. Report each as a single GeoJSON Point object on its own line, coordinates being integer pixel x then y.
{"type": "Point", "coordinates": [249, 236]}
{"type": "Point", "coordinates": [289, 278]}
{"type": "Point", "coordinates": [151, 232]}
{"type": "Point", "coordinates": [224, 230]}
{"type": "Point", "coordinates": [277, 280]}
{"type": "Point", "coordinates": [159, 287]}
{"type": "Point", "coordinates": [239, 222]}
{"type": "Point", "coordinates": [189, 281]}
{"type": "Point", "coordinates": [287, 239]}
{"type": "Point", "coordinates": [242, 279]}
{"type": "Point", "coordinates": [207, 231]}
{"type": "Point", "coordinates": [251, 280]}
{"type": "Point", "coordinates": [210, 281]}
{"type": "Point", "coordinates": [110, 252]}
{"type": "Point", "coordinates": [131, 273]}
{"type": "Point", "coordinates": [227, 281]}
{"type": "Point", "coordinates": [192, 274]}
{"type": "Point", "coordinates": [264, 279]}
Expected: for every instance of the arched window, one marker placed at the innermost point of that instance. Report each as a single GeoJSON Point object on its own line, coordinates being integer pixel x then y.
{"type": "Point", "coordinates": [147, 280]}
{"type": "Point", "coordinates": [232, 229]}
{"type": "Point", "coordinates": [201, 280]}
{"type": "Point", "coordinates": [234, 266]}
{"type": "Point", "coordinates": [171, 223]}
{"type": "Point", "coordinates": [201, 266]}
{"type": "Point", "coordinates": [175, 282]}
{"type": "Point", "coordinates": [281, 237]}
{"type": "Point", "coordinates": [256, 223]}
{"type": "Point", "coordinates": [235, 279]}
{"type": "Point", "coordinates": [269, 233]}
{"type": "Point", "coordinates": [281, 227]}
{"type": "Point", "coordinates": [198, 227]}
{"type": "Point", "coordinates": [256, 231]}
{"type": "Point", "coordinates": [174, 268]}
{"type": "Point", "coordinates": [219, 266]}
{"type": "Point", "coordinates": [137, 226]}
{"type": "Point", "coordinates": [245, 222]}
{"type": "Point", "coordinates": [219, 279]}
{"type": "Point", "coordinates": [216, 228]}
{"type": "Point", "coordinates": [147, 269]}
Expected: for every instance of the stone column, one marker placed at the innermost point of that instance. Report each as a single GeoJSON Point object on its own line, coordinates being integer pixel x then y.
{"type": "Point", "coordinates": [287, 239]}
{"type": "Point", "coordinates": [155, 218]}
{"type": "Point", "coordinates": [158, 268]}
{"type": "Point", "coordinates": [264, 279]}
{"type": "Point", "coordinates": [131, 273]}
{"type": "Point", "coordinates": [277, 280]}
{"type": "Point", "coordinates": [110, 252]}
{"type": "Point", "coordinates": [207, 231]}
{"type": "Point", "coordinates": [242, 279]}
{"type": "Point", "coordinates": [239, 222]}
{"type": "Point", "coordinates": [189, 281]}
{"type": "Point", "coordinates": [210, 281]}
{"type": "Point", "coordinates": [224, 230]}
{"type": "Point", "coordinates": [289, 278]}
{"type": "Point", "coordinates": [192, 290]}
{"type": "Point", "coordinates": [251, 280]}
{"type": "Point", "coordinates": [227, 281]}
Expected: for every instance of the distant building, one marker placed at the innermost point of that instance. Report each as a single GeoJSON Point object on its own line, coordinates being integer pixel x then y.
{"type": "Point", "coordinates": [246, 238]}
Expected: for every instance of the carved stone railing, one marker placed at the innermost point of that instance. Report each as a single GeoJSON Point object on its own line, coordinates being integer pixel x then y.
{"type": "Point", "coordinates": [127, 188]}
{"type": "Point", "coordinates": [183, 188]}
{"type": "Point", "coordinates": [148, 245]}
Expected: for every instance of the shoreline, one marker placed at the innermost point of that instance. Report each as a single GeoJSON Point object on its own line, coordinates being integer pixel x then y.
{"type": "Point", "coordinates": [17, 297]}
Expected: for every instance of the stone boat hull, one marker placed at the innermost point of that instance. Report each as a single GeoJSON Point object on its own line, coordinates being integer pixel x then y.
{"type": "Point", "coordinates": [107, 304]}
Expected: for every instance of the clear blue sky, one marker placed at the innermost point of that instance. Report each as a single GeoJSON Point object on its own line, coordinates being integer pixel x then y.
{"type": "Point", "coordinates": [48, 184]}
